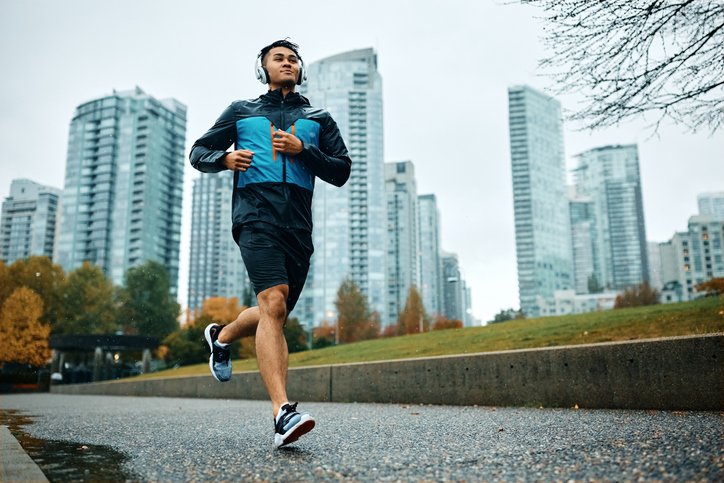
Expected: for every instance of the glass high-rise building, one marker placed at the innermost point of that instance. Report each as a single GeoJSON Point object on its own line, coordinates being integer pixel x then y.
{"type": "Point", "coordinates": [402, 242]}
{"type": "Point", "coordinates": [453, 288]}
{"type": "Point", "coordinates": [350, 222]}
{"type": "Point", "coordinates": [583, 249]}
{"type": "Point", "coordinates": [542, 224]}
{"type": "Point", "coordinates": [429, 255]}
{"type": "Point", "coordinates": [121, 204]}
{"type": "Point", "coordinates": [711, 204]}
{"type": "Point", "coordinates": [215, 265]}
{"type": "Point", "coordinates": [28, 221]}
{"type": "Point", "coordinates": [610, 176]}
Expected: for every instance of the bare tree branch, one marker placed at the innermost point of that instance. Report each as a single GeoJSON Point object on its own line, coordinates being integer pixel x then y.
{"type": "Point", "coordinates": [631, 58]}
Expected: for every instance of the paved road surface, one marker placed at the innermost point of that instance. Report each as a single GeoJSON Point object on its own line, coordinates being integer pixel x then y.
{"type": "Point", "coordinates": [165, 439]}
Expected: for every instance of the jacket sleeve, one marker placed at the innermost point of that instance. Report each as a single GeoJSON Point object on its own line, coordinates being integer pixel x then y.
{"type": "Point", "coordinates": [330, 161]}
{"type": "Point", "coordinates": [208, 151]}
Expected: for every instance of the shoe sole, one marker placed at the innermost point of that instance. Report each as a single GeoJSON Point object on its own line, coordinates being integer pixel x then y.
{"type": "Point", "coordinates": [207, 336]}
{"type": "Point", "coordinates": [303, 427]}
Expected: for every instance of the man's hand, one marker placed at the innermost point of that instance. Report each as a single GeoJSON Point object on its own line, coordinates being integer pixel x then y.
{"type": "Point", "coordinates": [287, 143]}
{"type": "Point", "coordinates": [238, 160]}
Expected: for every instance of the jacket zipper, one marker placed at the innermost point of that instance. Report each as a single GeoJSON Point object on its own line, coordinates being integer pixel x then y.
{"type": "Point", "coordinates": [284, 157]}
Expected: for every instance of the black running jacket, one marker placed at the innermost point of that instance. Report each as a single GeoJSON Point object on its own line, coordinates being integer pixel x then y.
{"type": "Point", "coordinates": [277, 188]}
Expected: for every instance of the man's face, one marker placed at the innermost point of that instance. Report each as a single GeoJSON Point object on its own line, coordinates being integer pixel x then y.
{"type": "Point", "coordinates": [282, 64]}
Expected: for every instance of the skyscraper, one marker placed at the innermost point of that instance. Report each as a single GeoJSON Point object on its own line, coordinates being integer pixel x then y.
{"type": "Point", "coordinates": [712, 204]}
{"type": "Point", "coordinates": [350, 222]}
{"type": "Point", "coordinates": [542, 225]}
{"type": "Point", "coordinates": [582, 246]}
{"type": "Point", "coordinates": [453, 289]}
{"type": "Point", "coordinates": [610, 176]}
{"type": "Point", "coordinates": [215, 265]}
{"type": "Point", "coordinates": [121, 204]}
{"type": "Point", "coordinates": [429, 255]}
{"type": "Point", "coordinates": [28, 221]}
{"type": "Point", "coordinates": [402, 242]}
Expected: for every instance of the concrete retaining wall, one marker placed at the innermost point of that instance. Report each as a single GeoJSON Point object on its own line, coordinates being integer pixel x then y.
{"type": "Point", "coordinates": [671, 373]}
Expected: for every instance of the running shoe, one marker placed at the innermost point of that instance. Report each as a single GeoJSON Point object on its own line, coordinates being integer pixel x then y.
{"type": "Point", "coordinates": [289, 425]}
{"type": "Point", "coordinates": [220, 359]}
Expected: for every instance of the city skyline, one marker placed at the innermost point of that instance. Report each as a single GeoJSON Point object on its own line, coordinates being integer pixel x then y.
{"type": "Point", "coordinates": [70, 62]}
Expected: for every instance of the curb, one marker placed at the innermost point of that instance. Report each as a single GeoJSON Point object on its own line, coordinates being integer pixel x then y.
{"type": "Point", "coordinates": [15, 464]}
{"type": "Point", "coordinates": [674, 373]}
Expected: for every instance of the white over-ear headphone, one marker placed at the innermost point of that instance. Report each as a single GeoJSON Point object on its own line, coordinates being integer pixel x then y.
{"type": "Point", "coordinates": [263, 76]}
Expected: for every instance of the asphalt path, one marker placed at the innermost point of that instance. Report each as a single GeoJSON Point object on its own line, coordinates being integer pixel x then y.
{"type": "Point", "coordinates": [173, 439]}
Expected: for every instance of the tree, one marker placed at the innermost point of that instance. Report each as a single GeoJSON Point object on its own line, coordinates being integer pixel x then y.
{"type": "Point", "coordinates": [41, 276]}
{"type": "Point", "coordinates": [714, 286]}
{"type": "Point", "coordinates": [23, 338]}
{"type": "Point", "coordinates": [412, 319]}
{"type": "Point", "coordinates": [637, 296]}
{"type": "Point", "coordinates": [632, 58]}
{"type": "Point", "coordinates": [323, 335]}
{"type": "Point", "coordinates": [221, 309]}
{"type": "Point", "coordinates": [354, 318]}
{"type": "Point", "coordinates": [88, 303]}
{"type": "Point", "coordinates": [593, 285]}
{"type": "Point", "coordinates": [443, 323]}
{"type": "Point", "coordinates": [372, 329]}
{"type": "Point", "coordinates": [186, 345]}
{"type": "Point", "coordinates": [6, 283]}
{"type": "Point", "coordinates": [226, 310]}
{"type": "Point", "coordinates": [295, 335]}
{"type": "Point", "coordinates": [391, 330]}
{"type": "Point", "coordinates": [146, 305]}
{"type": "Point", "coordinates": [508, 314]}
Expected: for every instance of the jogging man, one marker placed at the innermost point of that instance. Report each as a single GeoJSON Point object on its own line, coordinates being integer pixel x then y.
{"type": "Point", "coordinates": [280, 144]}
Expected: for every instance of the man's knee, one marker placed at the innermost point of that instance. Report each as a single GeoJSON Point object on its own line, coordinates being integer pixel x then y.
{"type": "Point", "coordinates": [274, 302]}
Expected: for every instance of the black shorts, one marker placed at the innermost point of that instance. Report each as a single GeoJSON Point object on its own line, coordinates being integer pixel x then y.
{"type": "Point", "coordinates": [276, 256]}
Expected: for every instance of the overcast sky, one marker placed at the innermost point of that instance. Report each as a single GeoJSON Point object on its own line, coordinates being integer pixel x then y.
{"type": "Point", "coordinates": [445, 66]}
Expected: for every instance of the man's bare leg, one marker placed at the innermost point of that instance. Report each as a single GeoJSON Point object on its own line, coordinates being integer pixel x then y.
{"type": "Point", "coordinates": [244, 326]}
{"type": "Point", "coordinates": [272, 354]}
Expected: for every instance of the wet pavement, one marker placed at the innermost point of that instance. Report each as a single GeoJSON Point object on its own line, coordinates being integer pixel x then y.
{"type": "Point", "coordinates": [171, 439]}
{"type": "Point", "coordinates": [68, 461]}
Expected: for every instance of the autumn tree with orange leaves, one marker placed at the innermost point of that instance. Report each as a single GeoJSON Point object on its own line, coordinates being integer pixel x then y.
{"type": "Point", "coordinates": [23, 338]}
{"type": "Point", "coordinates": [355, 322]}
{"type": "Point", "coordinates": [413, 319]}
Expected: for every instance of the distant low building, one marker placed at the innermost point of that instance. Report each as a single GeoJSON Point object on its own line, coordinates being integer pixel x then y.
{"type": "Point", "coordinates": [566, 302]}
{"type": "Point", "coordinates": [671, 292]}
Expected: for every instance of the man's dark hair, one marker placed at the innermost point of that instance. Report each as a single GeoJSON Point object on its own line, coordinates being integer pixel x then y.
{"type": "Point", "coordinates": [280, 43]}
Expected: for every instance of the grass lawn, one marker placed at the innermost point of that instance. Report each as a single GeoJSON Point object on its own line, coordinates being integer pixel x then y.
{"type": "Point", "coordinates": [701, 316]}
